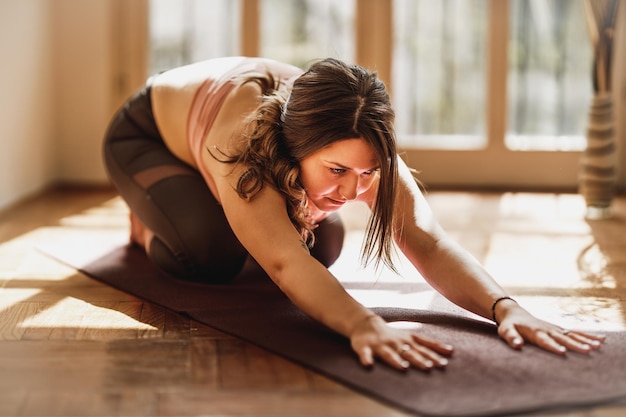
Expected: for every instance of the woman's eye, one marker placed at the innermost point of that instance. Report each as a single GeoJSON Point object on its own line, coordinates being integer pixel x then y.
{"type": "Point", "coordinates": [337, 171]}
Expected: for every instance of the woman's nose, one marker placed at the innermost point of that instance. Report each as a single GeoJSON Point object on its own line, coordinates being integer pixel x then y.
{"type": "Point", "coordinates": [349, 188]}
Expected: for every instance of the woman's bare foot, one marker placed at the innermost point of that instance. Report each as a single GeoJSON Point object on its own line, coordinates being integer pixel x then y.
{"type": "Point", "coordinates": [140, 235]}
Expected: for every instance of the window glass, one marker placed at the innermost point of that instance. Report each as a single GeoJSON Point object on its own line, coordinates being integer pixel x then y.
{"type": "Point", "coordinates": [549, 80]}
{"type": "Point", "coordinates": [300, 31]}
{"type": "Point", "coordinates": [439, 73]}
{"type": "Point", "coordinates": [186, 31]}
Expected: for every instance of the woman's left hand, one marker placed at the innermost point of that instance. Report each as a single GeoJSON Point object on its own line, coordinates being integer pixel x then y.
{"type": "Point", "coordinates": [518, 326]}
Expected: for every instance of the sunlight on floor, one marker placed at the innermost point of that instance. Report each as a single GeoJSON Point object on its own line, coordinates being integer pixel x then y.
{"type": "Point", "coordinates": [398, 298]}
{"type": "Point", "coordinates": [111, 214]}
{"type": "Point", "coordinates": [541, 206]}
{"type": "Point", "coordinates": [41, 293]}
{"type": "Point", "coordinates": [564, 273]}
{"type": "Point", "coordinates": [595, 268]}
{"type": "Point", "coordinates": [75, 313]}
{"type": "Point", "coordinates": [532, 260]}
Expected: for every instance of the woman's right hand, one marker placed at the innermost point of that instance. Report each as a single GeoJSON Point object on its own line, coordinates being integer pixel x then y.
{"type": "Point", "coordinates": [374, 338]}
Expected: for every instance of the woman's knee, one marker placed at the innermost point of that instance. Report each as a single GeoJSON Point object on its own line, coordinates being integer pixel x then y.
{"type": "Point", "coordinates": [209, 264]}
{"type": "Point", "coordinates": [193, 238]}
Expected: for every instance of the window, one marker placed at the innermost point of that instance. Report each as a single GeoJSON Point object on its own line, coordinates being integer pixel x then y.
{"type": "Point", "coordinates": [439, 71]}
{"type": "Point", "coordinates": [473, 82]}
{"type": "Point", "coordinates": [440, 68]}
{"type": "Point", "coordinates": [299, 31]}
{"type": "Point", "coordinates": [294, 31]}
{"type": "Point", "coordinates": [549, 78]}
{"type": "Point", "coordinates": [185, 31]}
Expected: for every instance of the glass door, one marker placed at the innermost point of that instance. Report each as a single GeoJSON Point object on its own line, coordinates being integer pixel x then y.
{"type": "Point", "coordinates": [492, 93]}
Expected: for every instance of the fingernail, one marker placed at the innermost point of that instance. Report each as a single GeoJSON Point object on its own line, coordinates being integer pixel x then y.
{"type": "Point", "coordinates": [517, 341]}
{"type": "Point", "coordinates": [429, 364]}
{"type": "Point", "coordinates": [443, 362]}
{"type": "Point", "coordinates": [405, 364]}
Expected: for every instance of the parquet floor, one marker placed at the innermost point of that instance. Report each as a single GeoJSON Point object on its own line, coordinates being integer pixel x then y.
{"type": "Point", "coordinates": [70, 346]}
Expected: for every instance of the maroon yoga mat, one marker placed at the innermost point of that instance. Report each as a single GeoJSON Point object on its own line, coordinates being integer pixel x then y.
{"type": "Point", "coordinates": [484, 377]}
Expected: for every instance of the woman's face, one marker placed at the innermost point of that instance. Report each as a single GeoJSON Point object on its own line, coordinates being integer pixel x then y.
{"type": "Point", "coordinates": [338, 173]}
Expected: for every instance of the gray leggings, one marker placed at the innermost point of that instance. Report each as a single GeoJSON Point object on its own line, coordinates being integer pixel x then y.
{"type": "Point", "coordinates": [192, 238]}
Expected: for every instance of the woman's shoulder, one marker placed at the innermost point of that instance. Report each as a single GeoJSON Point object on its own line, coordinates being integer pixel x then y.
{"type": "Point", "coordinates": [199, 72]}
{"type": "Point", "coordinates": [195, 73]}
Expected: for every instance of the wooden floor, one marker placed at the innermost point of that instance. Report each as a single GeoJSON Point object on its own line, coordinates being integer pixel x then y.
{"type": "Point", "coordinates": [70, 346]}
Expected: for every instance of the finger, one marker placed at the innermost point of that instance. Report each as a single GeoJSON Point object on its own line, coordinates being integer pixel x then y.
{"type": "Point", "coordinates": [392, 357]}
{"type": "Point", "coordinates": [595, 341]}
{"type": "Point", "coordinates": [547, 341]}
{"type": "Point", "coordinates": [430, 355]}
{"type": "Point", "coordinates": [419, 345]}
{"type": "Point", "coordinates": [575, 342]}
{"type": "Point", "coordinates": [366, 356]}
{"type": "Point", "coordinates": [598, 337]}
{"type": "Point", "coordinates": [511, 336]}
{"type": "Point", "coordinates": [442, 348]}
{"type": "Point", "coordinates": [418, 360]}
{"type": "Point", "coordinates": [573, 345]}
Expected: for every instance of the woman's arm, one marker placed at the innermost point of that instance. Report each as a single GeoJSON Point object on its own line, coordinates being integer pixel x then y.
{"type": "Point", "coordinates": [263, 227]}
{"type": "Point", "coordinates": [448, 268]}
{"type": "Point", "coordinates": [458, 276]}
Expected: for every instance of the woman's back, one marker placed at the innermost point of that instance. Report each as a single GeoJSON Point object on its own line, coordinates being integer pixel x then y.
{"type": "Point", "coordinates": [197, 105]}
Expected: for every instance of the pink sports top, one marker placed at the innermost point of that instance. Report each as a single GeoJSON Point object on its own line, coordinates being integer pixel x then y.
{"type": "Point", "coordinates": [212, 93]}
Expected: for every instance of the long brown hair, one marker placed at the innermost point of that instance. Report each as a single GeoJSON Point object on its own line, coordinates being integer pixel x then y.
{"type": "Point", "coordinates": [330, 102]}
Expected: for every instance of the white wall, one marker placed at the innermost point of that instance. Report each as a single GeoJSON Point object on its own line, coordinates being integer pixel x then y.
{"type": "Point", "coordinates": [57, 85]}
{"type": "Point", "coordinates": [28, 158]}
{"type": "Point", "coordinates": [83, 86]}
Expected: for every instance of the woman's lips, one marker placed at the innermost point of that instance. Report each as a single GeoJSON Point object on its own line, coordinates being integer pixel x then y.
{"type": "Point", "coordinates": [335, 202]}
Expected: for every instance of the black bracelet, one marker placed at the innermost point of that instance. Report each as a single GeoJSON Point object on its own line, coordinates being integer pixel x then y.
{"type": "Point", "coordinates": [495, 303]}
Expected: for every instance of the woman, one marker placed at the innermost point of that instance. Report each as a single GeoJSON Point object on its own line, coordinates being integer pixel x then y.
{"type": "Point", "coordinates": [238, 157]}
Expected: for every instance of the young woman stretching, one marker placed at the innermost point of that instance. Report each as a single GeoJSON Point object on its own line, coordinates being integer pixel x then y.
{"type": "Point", "coordinates": [237, 157]}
